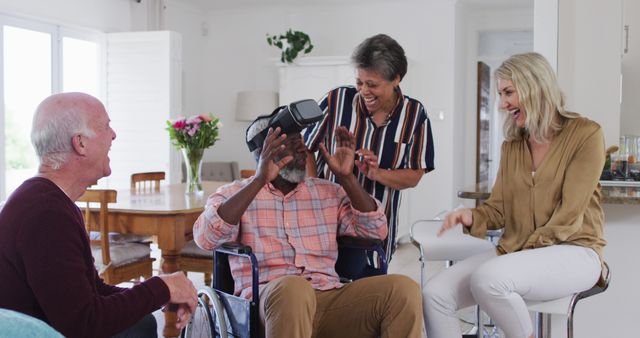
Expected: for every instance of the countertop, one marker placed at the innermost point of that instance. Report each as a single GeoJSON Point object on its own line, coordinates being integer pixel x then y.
{"type": "Point", "coordinates": [611, 193]}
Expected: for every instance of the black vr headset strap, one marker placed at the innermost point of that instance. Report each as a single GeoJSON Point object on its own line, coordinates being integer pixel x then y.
{"type": "Point", "coordinates": [258, 140]}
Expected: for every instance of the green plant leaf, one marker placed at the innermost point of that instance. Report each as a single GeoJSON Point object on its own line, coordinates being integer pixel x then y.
{"type": "Point", "coordinates": [297, 42]}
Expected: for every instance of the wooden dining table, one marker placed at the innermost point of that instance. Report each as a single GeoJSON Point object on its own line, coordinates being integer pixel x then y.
{"type": "Point", "coordinates": [169, 215]}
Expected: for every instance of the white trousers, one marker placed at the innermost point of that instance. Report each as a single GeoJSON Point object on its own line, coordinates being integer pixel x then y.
{"type": "Point", "coordinates": [500, 283]}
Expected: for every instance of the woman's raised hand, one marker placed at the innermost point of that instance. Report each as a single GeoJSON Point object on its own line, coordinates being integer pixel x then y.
{"type": "Point", "coordinates": [368, 164]}
{"type": "Point", "coordinates": [341, 162]}
{"type": "Point", "coordinates": [460, 216]}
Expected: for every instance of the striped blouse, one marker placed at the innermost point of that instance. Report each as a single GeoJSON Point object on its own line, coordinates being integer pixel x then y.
{"type": "Point", "coordinates": [405, 142]}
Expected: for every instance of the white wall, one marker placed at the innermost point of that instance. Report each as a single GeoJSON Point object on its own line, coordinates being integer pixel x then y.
{"type": "Point", "coordinates": [189, 21]}
{"type": "Point", "coordinates": [240, 59]}
{"type": "Point", "coordinates": [106, 16]}
{"type": "Point", "coordinates": [589, 66]}
{"type": "Point", "coordinates": [545, 36]}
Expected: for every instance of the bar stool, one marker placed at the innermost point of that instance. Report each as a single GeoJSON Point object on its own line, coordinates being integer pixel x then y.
{"type": "Point", "coordinates": [451, 247]}
{"type": "Point", "coordinates": [564, 306]}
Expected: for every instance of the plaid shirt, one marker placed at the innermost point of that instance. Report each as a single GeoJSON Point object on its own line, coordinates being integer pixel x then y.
{"type": "Point", "coordinates": [290, 235]}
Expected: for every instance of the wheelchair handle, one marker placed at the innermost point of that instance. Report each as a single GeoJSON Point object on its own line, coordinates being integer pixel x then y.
{"type": "Point", "coordinates": [235, 248]}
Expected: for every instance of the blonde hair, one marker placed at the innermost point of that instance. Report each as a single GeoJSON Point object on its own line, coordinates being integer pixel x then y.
{"type": "Point", "coordinates": [539, 95]}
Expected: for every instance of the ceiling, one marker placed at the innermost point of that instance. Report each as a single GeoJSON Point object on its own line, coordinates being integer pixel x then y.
{"type": "Point", "coordinates": [222, 4]}
{"type": "Point", "coordinates": [498, 3]}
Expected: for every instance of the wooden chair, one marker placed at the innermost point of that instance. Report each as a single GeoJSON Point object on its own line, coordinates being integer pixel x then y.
{"type": "Point", "coordinates": [116, 262]}
{"type": "Point", "coordinates": [194, 259]}
{"type": "Point", "coordinates": [246, 173]}
{"type": "Point", "coordinates": [141, 182]}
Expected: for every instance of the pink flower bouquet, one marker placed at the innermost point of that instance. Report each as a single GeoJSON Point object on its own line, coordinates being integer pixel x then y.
{"type": "Point", "coordinates": [196, 132]}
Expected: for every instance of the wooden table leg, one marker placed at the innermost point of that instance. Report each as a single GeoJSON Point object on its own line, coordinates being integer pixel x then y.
{"type": "Point", "coordinates": [170, 263]}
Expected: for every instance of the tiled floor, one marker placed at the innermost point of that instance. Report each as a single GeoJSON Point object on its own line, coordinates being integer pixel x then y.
{"type": "Point", "coordinates": [405, 261]}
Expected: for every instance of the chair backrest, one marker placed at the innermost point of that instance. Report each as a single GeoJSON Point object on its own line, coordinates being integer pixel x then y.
{"type": "Point", "coordinates": [103, 197]}
{"type": "Point", "coordinates": [246, 173]}
{"type": "Point", "coordinates": [217, 171]}
{"type": "Point", "coordinates": [243, 315]}
{"type": "Point", "coordinates": [141, 182]}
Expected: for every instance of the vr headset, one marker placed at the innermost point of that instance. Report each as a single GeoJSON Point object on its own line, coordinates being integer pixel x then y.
{"type": "Point", "coordinates": [291, 119]}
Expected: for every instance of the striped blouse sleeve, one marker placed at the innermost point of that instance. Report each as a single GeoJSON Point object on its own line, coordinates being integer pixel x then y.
{"type": "Point", "coordinates": [421, 150]}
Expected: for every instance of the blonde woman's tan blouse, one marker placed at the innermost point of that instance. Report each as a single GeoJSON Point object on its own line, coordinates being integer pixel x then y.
{"type": "Point", "coordinates": [560, 204]}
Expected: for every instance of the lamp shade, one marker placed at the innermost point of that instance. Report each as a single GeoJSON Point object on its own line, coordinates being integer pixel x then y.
{"type": "Point", "coordinates": [253, 103]}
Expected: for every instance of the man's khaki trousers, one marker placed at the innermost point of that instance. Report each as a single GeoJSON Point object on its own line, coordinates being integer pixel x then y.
{"type": "Point", "coordinates": [381, 306]}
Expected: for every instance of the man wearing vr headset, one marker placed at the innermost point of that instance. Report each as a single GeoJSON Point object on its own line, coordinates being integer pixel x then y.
{"type": "Point", "coordinates": [292, 223]}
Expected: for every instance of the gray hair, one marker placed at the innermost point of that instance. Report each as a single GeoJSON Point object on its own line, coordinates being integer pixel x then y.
{"type": "Point", "coordinates": [381, 54]}
{"type": "Point", "coordinates": [256, 127]}
{"type": "Point", "coordinates": [55, 122]}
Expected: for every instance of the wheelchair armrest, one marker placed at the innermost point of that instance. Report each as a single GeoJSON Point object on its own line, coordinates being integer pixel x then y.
{"type": "Point", "coordinates": [222, 273]}
{"type": "Point", "coordinates": [234, 248]}
{"type": "Point", "coordinates": [358, 242]}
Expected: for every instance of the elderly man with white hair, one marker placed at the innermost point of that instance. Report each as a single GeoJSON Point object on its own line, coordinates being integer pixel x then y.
{"type": "Point", "coordinates": [40, 225]}
{"type": "Point", "coordinates": [292, 223]}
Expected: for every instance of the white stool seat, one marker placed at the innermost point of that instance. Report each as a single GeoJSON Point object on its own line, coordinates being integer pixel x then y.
{"type": "Point", "coordinates": [453, 245]}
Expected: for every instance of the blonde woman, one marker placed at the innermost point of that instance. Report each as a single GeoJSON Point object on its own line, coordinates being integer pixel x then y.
{"type": "Point", "coordinates": [546, 198]}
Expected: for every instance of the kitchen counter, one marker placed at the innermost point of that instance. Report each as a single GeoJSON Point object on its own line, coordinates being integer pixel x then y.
{"type": "Point", "coordinates": [612, 192]}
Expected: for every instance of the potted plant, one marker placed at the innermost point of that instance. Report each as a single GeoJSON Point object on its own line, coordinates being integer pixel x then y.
{"type": "Point", "coordinates": [291, 43]}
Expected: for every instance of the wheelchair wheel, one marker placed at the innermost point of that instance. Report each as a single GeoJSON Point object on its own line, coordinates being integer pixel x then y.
{"type": "Point", "coordinates": [208, 317]}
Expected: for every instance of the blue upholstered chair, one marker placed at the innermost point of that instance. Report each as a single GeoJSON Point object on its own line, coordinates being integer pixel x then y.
{"type": "Point", "coordinates": [16, 324]}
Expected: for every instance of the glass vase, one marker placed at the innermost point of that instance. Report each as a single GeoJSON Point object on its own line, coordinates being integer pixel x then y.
{"type": "Point", "coordinates": [193, 163]}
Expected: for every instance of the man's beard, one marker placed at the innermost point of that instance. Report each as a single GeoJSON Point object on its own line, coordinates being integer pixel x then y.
{"type": "Point", "coordinates": [292, 175]}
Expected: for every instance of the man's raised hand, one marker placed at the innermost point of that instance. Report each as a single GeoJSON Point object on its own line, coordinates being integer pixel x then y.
{"type": "Point", "coordinates": [270, 164]}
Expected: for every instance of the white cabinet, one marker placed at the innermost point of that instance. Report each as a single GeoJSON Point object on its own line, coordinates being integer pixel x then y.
{"type": "Point", "coordinates": [629, 121]}
{"type": "Point", "coordinates": [312, 77]}
{"type": "Point", "coordinates": [589, 60]}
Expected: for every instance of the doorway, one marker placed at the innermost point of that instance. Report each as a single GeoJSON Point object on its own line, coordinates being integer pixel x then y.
{"type": "Point", "coordinates": [493, 48]}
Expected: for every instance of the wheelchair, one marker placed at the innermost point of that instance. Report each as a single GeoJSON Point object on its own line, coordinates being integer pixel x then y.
{"type": "Point", "coordinates": [221, 314]}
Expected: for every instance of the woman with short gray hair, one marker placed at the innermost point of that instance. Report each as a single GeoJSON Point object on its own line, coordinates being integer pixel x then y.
{"type": "Point", "coordinates": [392, 130]}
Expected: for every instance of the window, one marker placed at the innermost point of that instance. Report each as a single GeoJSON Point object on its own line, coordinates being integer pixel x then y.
{"type": "Point", "coordinates": [37, 60]}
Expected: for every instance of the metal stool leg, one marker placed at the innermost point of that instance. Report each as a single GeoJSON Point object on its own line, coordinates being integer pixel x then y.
{"type": "Point", "coordinates": [542, 327]}
{"type": "Point", "coordinates": [480, 332]}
